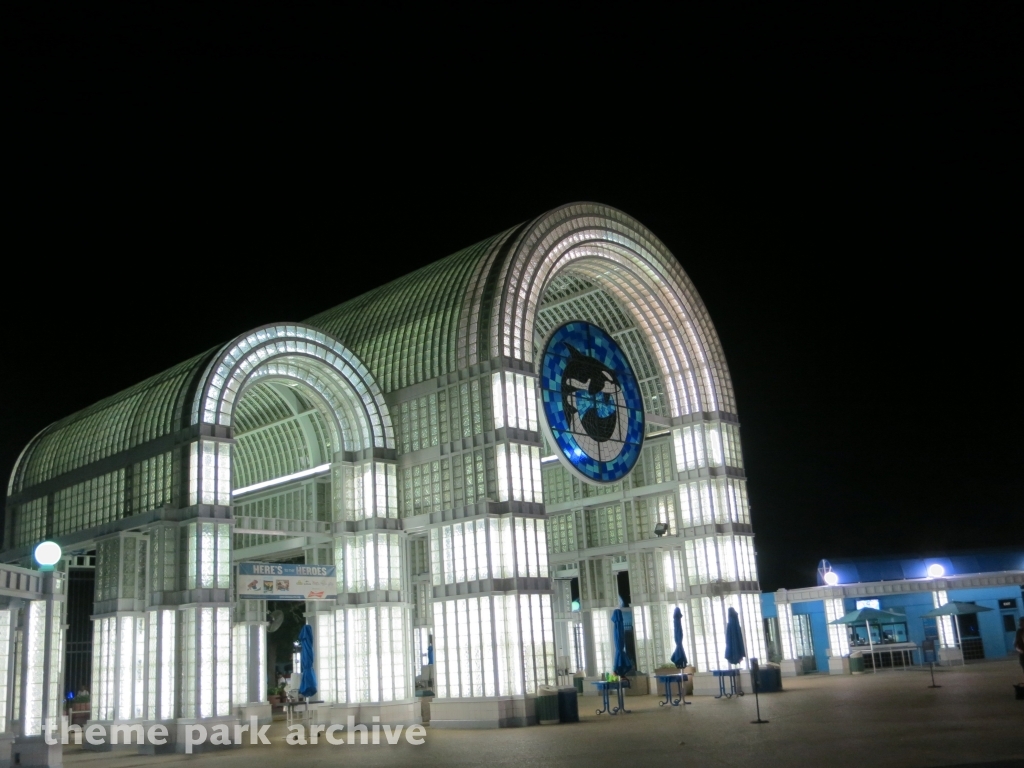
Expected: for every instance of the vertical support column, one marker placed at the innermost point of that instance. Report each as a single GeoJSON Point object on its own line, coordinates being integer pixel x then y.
{"type": "Point", "coordinates": [492, 619]}
{"type": "Point", "coordinates": [949, 650]}
{"type": "Point", "coordinates": [250, 673]}
{"type": "Point", "coordinates": [564, 638]}
{"type": "Point", "coordinates": [119, 657]}
{"type": "Point", "coordinates": [364, 641]}
{"type": "Point", "coordinates": [8, 621]}
{"type": "Point", "coordinates": [790, 666]}
{"type": "Point", "coordinates": [204, 599]}
{"type": "Point", "coordinates": [598, 597]}
{"type": "Point", "coordinates": [838, 639]}
{"type": "Point", "coordinates": [161, 664]}
{"type": "Point", "coordinates": [41, 670]}
{"type": "Point", "coordinates": [205, 621]}
{"type": "Point", "coordinates": [163, 674]}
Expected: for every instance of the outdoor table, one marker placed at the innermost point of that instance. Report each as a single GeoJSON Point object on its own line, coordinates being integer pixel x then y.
{"type": "Point", "coordinates": [289, 707]}
{"type": "Point", "coordinates": [678, 678]}
{"type": "Point", "coordinates": [732, 674]}
{"type": "Point", "coordinates": [604, 687]}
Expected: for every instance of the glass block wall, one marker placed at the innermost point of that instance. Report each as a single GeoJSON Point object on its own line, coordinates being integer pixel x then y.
{"type": "Point", "coordinates": [398, 436]}
{"type": "Point", "coordinates": [689, 477]}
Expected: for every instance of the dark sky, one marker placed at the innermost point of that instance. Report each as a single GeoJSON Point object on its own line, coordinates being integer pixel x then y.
{"type": "Point", "coordinates": [844, 193]}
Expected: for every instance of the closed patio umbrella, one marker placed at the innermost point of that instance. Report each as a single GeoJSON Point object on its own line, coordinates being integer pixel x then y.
{"type": "Point", "coordinates": [622, 662]}
{"type": "Point", "coordinates": [678, 655]}
{"type": "Point", "coordinates": [307, 686]}
{"type": "Point", "coordinates": [735, 650]}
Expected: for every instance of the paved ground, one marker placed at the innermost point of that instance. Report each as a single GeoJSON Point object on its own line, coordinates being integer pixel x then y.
{"type": "Point", "coordinates": [867, 721]}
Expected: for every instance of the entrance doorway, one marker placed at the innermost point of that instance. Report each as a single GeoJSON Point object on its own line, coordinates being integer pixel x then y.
{"type": "Point", "coordinates": [1010, 631]}
{"type": "Point", "coordinates": [81, 590]}
{"type": "Point", "coordinates": [970, 637]}
{"type": "Point", "coordinates": [287, 618]}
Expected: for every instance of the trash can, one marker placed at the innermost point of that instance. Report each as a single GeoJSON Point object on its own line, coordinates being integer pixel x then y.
{"type": "Point", "coordinates": [856, 664]}
{"type": "Point", "coordinates": [546, 705]}
{"type": "Point", "coordinates": [578, 682]}
{"type": "Point", "coordinates": [568, 706]}
{"type": "Point", "coordinates": [769, 679]}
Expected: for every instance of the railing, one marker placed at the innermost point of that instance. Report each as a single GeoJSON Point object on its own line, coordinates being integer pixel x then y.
{"type": "Point", "coordinates": [20, 582]}
{"type": "Point", "coordinates": [276, 526]}
{"type": "Point", "coordinates": [972, 648]}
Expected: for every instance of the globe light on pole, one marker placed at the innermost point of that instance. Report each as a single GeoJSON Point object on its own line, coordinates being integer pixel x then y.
{"type": "Point", "coordinates": [935, 570]}
{"type": "Point", "coordinates": [831, 578]}
{"type": "Point", "coordinates": [47, 554]}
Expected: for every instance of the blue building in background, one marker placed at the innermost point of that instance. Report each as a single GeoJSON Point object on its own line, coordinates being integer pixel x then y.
{"type": "Point", "coordinates": [801, 638]}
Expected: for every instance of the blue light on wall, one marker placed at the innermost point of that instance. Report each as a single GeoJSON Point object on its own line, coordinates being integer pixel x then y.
{"type": "Point", "coordinates": [594, 413]}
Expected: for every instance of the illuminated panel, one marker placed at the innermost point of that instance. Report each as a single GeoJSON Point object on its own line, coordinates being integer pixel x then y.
{"type": "Point", "coordinates": [55, 659]}
{"type": "Point", "coordinates": [223, 657]}
{"type": "Point", "coordinates": [126, 665]}
{"type": "Point", "coordinates": [35, 636]}
{"type": "Point", "coordinates": [375, 649]}
{"type": "Point", "coordinates": [592, 403]}
{"type": "Point", "coordinates": [603, 652]}
{"type": "Point", "coordinates": [206, 662]}
{"type": "Point", "coordinates": [945, 623]}
{"type": "Point", "coordinates": [152, 668]}
{"type": "Point", "coordinates": [167, 637]}
{"type": "Point", "coordinates": [708, 633]}
{"type": "Point", "coordinates": [139, 667]}
{"type": "Point", "coordinates": [189, 672]}
{"type": "Point", "coordinates": [786, 630]}
{"type": "Point", "coordinates": [753, 626]}
{"type": "Point", "coordinates": [5, 641]}
{"type": "Point", "coordinates": [838, 640]}
{"type": "Point", "coordinates": [240, 693]}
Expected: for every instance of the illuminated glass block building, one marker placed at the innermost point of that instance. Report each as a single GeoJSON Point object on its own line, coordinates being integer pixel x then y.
{"type": "Point", "coordinates": [406, 438]}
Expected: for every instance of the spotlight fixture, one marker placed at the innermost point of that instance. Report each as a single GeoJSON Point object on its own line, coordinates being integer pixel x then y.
{"type": "Point", "coordinates": [660, 529]}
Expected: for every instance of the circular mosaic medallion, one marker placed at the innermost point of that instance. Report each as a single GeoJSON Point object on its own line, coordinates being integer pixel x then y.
{"type": "Point", "coordinates": [594, 414]}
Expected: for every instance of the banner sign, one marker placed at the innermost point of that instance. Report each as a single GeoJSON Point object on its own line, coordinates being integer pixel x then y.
{"type": "Point", "coordinates": [286, 581]}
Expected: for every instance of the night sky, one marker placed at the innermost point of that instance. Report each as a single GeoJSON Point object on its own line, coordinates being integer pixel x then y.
{"type": "Point", "coordinates": [844, 193]}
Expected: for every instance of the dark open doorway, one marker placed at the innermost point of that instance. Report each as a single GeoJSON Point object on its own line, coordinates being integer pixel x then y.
{"type": "Point", "coordinates": [81, 590]}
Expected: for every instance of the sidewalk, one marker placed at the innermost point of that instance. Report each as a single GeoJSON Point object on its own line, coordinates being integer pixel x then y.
{"type": "Point", "coordinates": [867, 721]}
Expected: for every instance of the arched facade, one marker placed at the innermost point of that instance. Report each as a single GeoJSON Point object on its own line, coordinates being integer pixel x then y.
{"type": "Point", "coordinates": [397, 437]}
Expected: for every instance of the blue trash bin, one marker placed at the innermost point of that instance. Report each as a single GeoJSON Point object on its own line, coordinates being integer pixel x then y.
{"type": "Point", "coordinates": [568, 706]}
{"type": "Point", "coordinates": [769, 679]}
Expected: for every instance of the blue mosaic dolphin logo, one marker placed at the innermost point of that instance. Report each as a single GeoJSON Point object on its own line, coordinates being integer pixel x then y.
{"type": "Point", "coordinates": [589, 390]}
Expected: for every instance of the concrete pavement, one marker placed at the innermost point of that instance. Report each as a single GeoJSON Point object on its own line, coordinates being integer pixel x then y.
{"type": "Point", "coordinates": [877, 721]}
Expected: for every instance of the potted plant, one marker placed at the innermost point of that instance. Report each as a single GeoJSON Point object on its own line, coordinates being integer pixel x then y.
{"type": "Point", "coordinates": [80, 703]}
{"type": "Point", "coordinates": [80, 709]}
{"type": "Point", "coordinates": [274, 694]}
{"type": "Point", "coordinates": [667, 668]}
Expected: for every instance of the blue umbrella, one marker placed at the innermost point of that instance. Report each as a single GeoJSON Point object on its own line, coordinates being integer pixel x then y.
{"type": "Point", "coordinates": [678, 655]}
{"type": "Point", "coordinates": [622, 661]}
{"type": "Point", "coordinates": [307, 686]}
{"type": "Point", "coordinates": [735, 651]}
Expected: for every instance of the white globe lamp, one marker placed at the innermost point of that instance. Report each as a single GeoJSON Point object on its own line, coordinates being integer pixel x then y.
{"type": "Point", "coordinates": [47, 554]}
{"type": "Point", "coordinates": [936, 571]}
{"type": "Point", "coordinates": [831, 578]}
